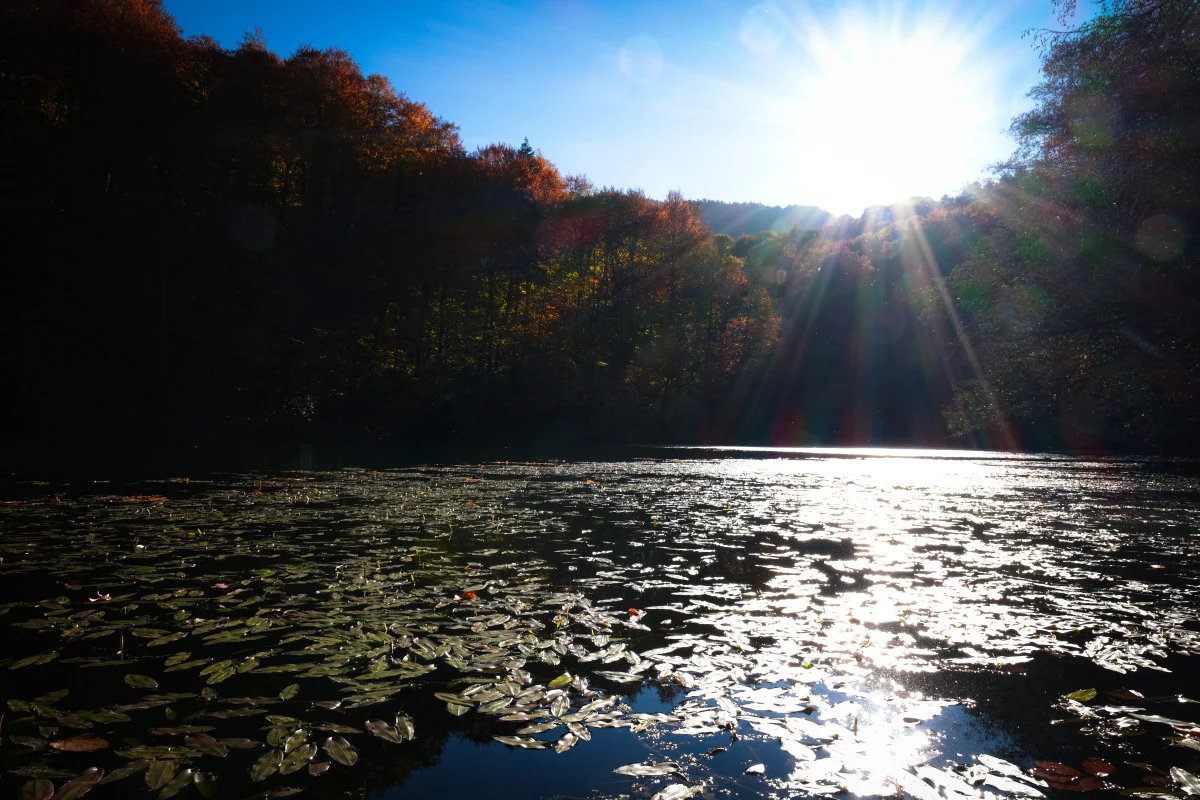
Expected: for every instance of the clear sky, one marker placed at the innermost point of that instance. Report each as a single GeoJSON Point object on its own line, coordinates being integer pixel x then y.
{"type": "Point", "coordinates": [838, 105]}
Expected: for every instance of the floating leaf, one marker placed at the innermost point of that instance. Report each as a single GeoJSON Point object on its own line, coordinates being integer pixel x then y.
{"type": "Point", "coordinates": [124, 772]}
{"type": "Point", "coordinates": [405, 727]}
{"type": "Point", "coordinates": [181, 730]}
{"type": "Point", "coordinates": [297, 758]}
{"type": "Point", "coordinates": [1186, 780]}
{"type": "Point", "coordinates": [1097, 766]}
{"type": "Point", "coordinates": [289, 691]}
{"type": "Point", "coordinates": [51, 698]}
{"type": "Point", "coordinates": [141, 681]}
{"type": "Point", "coordinates": [1006, 784]}
{"type": "Point", "coordinates": [1053, 769]}
{"type": "Point", "coordinates": [38, 658]}
{"type": "Point", "coordinates": [1085, 784]}
{"type": "Point", "coordinates": [1082, 695]}
{"type": "Point", "coordinates": [73, 721]}
{"type": "Point", "coordinates": [162, 640]}
{"type": "Point", "coordinates": [648, 770]}
{"type": "Point", "coordinates": [521, 741]}
{"type": "Point", "coordinates": [160, 773]}
{"type": "Point", "coordinates": [328, 705]}
{"type": "Point", "coordinates": [103, 716]}
{"type": "Point", "coordinates": [383, 730]}
{"type": "Point", "coordinates": [266, 765]}
{"type": "Point", "coordinates": [221, 675]}
{"type": "Point", "coordinates": [177, 784]}
{"type": "Point", "coordinates": [178, 658]}
{"type": "Point", "coordinates": [40, 771]}
{"type": "Point", "coordinates": [1003, 767]}
{"type": "Point", "coordinates": [561, 680]}
{"type": "Point", "coordinates": [81, 785]}
{"type": "Point", "coordinates": [242, 744]}
{"type": "Point", "coordinates": [40, 789]}
{"type": "Point", "coordinates": [276, 737]}
{"type": "Point", "coordinates": [678, 791]}
{"type": "Point", "coordinates": [341, 751]}
{"type": "Point", "coordinates": [206, 783]}
{"type": "Point", "coordinates": [316, 768]}
{"type": "Point", "coordinates": [80, 744]}
{"type": "Point", "coordinates": [297, 738]}
{"type": "Point", "coordinates": [32, 742]}
{"type": "Point", "coordinates": [208, 745]}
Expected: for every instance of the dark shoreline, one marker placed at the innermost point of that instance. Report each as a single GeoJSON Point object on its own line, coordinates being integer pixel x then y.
{"type": "Point", "coordinates": [136, 459]}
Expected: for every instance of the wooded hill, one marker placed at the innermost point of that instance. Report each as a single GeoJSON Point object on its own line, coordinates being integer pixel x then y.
{"type": "Point", "coordinates": [228, 242]}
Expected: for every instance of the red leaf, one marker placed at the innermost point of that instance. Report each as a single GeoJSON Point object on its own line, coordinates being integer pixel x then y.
{"type": "Point", "coordinates": [1055, 770]}
{"type": "Point", "coordinates": [80, 744]}
{"type": "Point", "coordinates": [1084, 784]}
{"type": "Point", "coordinates": [1096, 766]}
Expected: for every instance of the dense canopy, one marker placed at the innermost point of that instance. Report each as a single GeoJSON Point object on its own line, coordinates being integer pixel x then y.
{"type": "Point", "coordinates": [227, 242]}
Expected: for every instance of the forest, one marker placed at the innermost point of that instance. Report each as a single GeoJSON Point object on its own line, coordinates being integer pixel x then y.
{"type": "Point", "coordinates": [227, 243]}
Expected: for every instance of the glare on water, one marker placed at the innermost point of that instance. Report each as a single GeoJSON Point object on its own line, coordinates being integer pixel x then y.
{"type": "Point", "coordinates": [870, 622]}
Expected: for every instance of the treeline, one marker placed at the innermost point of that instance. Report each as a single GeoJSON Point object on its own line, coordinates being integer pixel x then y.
{"type": "Point", "coordinates": [736, 219]}
{"type": "Point", "coordinates": [226, 242]}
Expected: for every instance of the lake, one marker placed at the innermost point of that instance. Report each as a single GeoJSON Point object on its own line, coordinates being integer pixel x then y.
{"type": "Point", "coordinates": [710, 623]}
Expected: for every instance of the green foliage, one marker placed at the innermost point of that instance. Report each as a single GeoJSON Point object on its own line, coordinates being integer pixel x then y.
{"type": "Point", "coordinates": [1082, 302]}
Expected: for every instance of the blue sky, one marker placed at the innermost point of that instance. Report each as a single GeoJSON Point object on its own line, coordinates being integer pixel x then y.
{"type": "Point", "coordinates": [831, 104]}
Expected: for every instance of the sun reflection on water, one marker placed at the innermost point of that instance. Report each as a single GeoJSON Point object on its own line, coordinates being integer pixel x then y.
{"type": "Point", "coordinates": [843, 613]}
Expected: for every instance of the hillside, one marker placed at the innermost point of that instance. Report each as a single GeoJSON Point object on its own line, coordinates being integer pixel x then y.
{"type": "Point", "coordinates": [738, 218]}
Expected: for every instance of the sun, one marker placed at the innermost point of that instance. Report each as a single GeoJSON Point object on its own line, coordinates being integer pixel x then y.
{"type": "Point", "coordinates": [888, 109]}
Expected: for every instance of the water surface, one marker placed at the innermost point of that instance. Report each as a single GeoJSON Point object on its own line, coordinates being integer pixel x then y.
{"type": "Point", "coordinates": [835, 621]}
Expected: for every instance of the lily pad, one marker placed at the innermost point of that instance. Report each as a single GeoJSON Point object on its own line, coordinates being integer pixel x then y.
{"type": "Point", "coordinates": [678, 791]}
{"type": "Point", "coordinates": [40, 789]}
{"type": "Point", "coordinates": [1186, 780]}
{"type": "Point", "coordinates": [141, 681]}
{"type": "Point", "coordinates": [1097, 766]}
{"type": "Point", "coordinates": [177, 784]}
{"type": "Point", "coordinates": [341, 751]}
{"type": "Point", "coordinates": [298, 758]}
{"type": "Point", "coordinates": [648, 770]}
{"type": "Point", "coordinates": [405, 727]}
{"type": "Point", "coordinates": [208, 745]}
{"type": "Point", "coordinates": [206, 783]}
{"type": "Point", "coordinates": [80, 744]}
{"type": "Point", "coordinates": [523, 742]}
{"type": "Point", "coordinates": [80, 785]}
{"type": "Point", "coordinates": [384, 731]}
{"type": "Point", "coordinates": [160, 773]}
{"type": "Point", "coordinates": [267, 765]}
